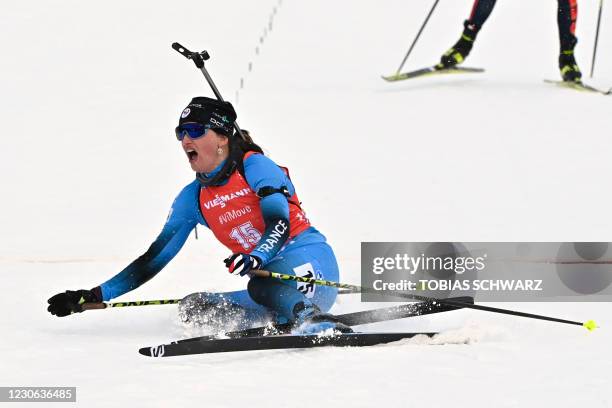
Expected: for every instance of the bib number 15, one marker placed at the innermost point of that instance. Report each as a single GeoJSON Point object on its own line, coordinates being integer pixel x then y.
{"type": "Point", "coordinates": [246, 235]}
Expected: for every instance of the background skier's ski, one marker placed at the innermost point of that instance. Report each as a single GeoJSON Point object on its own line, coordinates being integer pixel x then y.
{"type": "Point", "coordinates": [431, 71]}
{"type": "Point", "coordinates": [579, 86]}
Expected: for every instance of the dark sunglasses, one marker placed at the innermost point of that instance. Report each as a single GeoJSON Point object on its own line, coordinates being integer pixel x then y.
{"type": "Point", "coordinates": [194, 130]}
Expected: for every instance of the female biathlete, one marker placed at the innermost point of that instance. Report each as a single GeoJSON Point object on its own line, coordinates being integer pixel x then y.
{"type": "Point", "coordinates": [251, 206]}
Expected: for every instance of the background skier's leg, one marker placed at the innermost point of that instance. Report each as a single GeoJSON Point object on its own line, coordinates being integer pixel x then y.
{"type": "Point", "coordinates": [481, 10]}
{"type": "Point", "coordinates": [567, 14]}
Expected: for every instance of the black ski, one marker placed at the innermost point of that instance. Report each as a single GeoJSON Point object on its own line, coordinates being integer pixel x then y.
{"type": "Point", "coordinates": [274, 343]}
{"type": "Point", "coordinates": [578, 86]}
{"type": "Point", "coordinates": [349, 319]}
{"type": "Point", "coordinates": [431, 71]}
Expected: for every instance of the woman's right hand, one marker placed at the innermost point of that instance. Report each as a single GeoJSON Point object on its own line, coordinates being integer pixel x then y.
{"type": "Point", "coordinates": [71, 301]}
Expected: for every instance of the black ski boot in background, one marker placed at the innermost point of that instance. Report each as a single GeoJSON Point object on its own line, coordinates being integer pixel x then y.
{"type": "Point", "coordinates": [568, 67]}
{"type": "Point", "coordinates": [459, 52]}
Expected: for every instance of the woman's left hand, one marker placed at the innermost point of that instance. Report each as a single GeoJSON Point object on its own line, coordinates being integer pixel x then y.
{"type": "Point", "coordinates": [241, 264]}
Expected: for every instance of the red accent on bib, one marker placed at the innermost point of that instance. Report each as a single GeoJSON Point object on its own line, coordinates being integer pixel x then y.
{"type": "Point", "coordinates": [233, 213]}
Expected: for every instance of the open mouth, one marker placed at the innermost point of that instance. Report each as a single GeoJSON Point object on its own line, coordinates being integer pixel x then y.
{"type": "Point", "coordinates": [192, 155]}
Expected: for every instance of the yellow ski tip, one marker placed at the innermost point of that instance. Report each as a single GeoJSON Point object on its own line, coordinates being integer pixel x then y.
{"type": "Point", "coordinates": [590, 325]}
{"type": "Point", "coordinates": [391, 78]}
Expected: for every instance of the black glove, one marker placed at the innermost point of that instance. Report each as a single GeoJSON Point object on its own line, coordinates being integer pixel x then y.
{"type": "Point", "coordinates": [64, 304]}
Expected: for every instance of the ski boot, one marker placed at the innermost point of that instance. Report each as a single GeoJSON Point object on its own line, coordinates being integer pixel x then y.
{"type": "Point", "coordinates": [459, 52]}
{"type": "Point", "coordinates": [310, 320]}
{"type": "Point", "coordinates": [569, 68]}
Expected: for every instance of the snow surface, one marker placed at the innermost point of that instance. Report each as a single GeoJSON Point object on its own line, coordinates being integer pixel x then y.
{"type": "Point", "coordinates": [90, 94]}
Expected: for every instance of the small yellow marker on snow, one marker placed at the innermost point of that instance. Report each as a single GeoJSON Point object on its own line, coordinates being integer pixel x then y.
{"type": "Point", "coordinates": [590, 325]}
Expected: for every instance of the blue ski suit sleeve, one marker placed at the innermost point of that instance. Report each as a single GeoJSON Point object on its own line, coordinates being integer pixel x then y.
{"type": "Point", "coordinates": [261, 171]}
{"type": "Point", "coordinates": [184, 216]}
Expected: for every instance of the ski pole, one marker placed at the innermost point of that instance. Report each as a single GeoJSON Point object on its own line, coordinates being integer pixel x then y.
{"type": "Point", "coordinates": [589, 325]}
{"type": "Point", "coordinates": [198, 58]}
{"type": "Point", "coordinates": [105, 305]}
{"type": "Point", "coordinates": [417, 36]}
{"type": "Point", "coordinates": [596, 37]}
